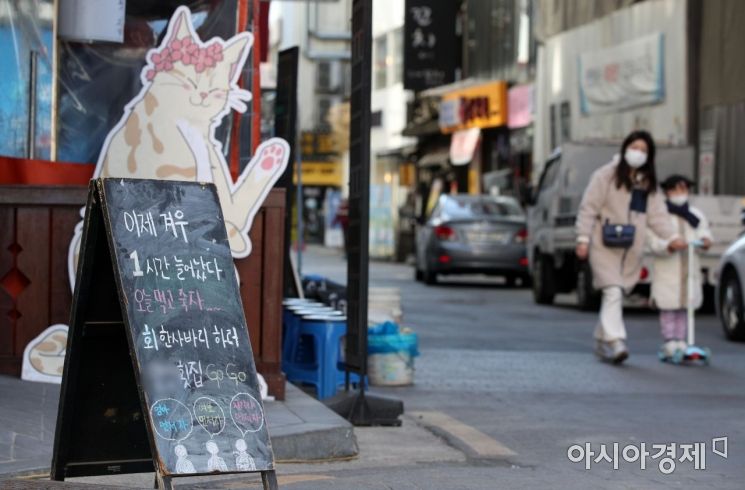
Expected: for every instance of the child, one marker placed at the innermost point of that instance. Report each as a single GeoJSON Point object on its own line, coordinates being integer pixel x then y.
{"type": "Point", "coordinates": [670, 281]}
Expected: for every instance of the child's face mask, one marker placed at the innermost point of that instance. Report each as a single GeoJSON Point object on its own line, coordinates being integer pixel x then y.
{"type": "Point", "coordinates": [678, 199]}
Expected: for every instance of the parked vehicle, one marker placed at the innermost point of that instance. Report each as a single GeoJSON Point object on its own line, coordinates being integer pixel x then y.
{"type": "Point", "coordinates": [553, 209]}
{"type": "Point", "coordinates": [730, 292]}
{"type": "Point", "coordinates": [473, 234]}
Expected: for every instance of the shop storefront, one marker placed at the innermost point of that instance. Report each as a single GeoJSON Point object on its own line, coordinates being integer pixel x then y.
{"type": "Point", "coordinates": [322, 181]}
{"type": "Point", "coordinates": [475, 117]}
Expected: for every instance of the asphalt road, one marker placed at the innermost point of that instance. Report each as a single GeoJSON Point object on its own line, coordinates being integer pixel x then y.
{"type": "Point", "coordinates": [524, 377]}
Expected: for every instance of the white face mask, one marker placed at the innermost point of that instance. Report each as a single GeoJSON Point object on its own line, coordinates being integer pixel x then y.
{"type": "Point", "coordinates": [678, 199]}
{"type": "Point", "coordinates": [635, 158]}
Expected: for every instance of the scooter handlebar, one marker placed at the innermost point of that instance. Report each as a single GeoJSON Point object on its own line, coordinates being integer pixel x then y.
{"type": "Point", "coordinates": [696, 243]}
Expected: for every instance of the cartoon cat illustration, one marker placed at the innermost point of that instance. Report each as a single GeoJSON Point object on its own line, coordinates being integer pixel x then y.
{"type": "Point", "coordinates": [167, 131]}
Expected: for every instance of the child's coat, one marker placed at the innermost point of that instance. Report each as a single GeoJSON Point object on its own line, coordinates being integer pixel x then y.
{"type": "Point", "coordinates": [670, 274]}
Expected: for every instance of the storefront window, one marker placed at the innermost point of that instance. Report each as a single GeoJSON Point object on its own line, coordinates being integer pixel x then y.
{"type": "Point", "coordinates": [97, 79]}
{"type": "Point", "coordinates": [26, 55]}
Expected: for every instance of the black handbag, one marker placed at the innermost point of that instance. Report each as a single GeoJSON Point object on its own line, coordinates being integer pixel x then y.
{"type": "Point", "coordinates": [617, 235]}
{"type": "Point", "coordinates": [620, 235]}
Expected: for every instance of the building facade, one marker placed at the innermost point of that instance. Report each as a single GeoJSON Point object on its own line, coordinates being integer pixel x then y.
{"type": "Point", "coordinates": [321, 31]}
{"type": "Point", "coordinates": [390, 163]}
{"type": "Point", "coordinates": [475, 134]}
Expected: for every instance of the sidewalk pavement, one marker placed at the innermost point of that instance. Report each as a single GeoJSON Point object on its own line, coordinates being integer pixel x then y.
{"type": "Point", "coordinates": [301, 428]}
{"type": "Point", "coordinates": [389, 453]}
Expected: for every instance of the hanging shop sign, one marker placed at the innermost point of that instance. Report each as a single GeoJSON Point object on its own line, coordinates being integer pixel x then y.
{"type": "Point", "coordinates": [431, 47]}
{"type": "Point", "coordinates": [480, 106]}
{"type": "Point", "coordinates": [623, 76]}
{"type": "Point", "coordinates": [463, 145]}
{"type": "Point", "coordinates": [321, 174]}
{"type": "Point", "coordinates": [520, 99]}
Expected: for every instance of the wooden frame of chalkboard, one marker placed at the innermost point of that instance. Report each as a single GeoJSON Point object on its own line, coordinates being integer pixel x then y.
{"type": "Point", "coordinates": [159, 372]}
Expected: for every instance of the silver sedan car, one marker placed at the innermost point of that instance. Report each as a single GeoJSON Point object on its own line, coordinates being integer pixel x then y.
{"type": "Point", "coordinates": [473, 234]}
{"type": "Point", "coordinates": [730, 293]}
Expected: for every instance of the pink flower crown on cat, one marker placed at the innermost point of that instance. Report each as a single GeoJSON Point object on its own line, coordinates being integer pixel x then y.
{"type": "Point", "coordinates": [187, 52]}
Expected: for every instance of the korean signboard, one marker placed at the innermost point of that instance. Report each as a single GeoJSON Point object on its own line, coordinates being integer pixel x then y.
{"type": "Point", "coordinates": [431, 47]}
{"type": "Point", "coordinates": [480, 106]}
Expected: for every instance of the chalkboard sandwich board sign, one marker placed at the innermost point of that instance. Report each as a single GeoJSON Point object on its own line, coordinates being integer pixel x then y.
{"type": "Point", "coordinates": [159, 372]}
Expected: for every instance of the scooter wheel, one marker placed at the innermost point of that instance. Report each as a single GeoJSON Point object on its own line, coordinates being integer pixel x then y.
{"type": "Point", "coordinates": [707, 358]}
{"type": "Point", "coordinates": [678, 357]}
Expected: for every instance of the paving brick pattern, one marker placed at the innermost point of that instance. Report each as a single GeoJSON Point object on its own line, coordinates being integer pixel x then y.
{"type": "Point", "coordinates": [28, 415]}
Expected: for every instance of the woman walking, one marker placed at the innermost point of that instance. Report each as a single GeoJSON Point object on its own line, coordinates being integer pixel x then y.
{"type": "Point", "coordinates": [620, 201]}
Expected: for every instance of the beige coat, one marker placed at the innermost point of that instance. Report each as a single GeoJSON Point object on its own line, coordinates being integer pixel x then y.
{"type": "Point", "coordinates": [604, 201]}
{"type": "Point", "coordinates": [670, 272]}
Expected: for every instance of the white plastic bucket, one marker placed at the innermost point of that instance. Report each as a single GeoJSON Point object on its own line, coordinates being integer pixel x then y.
{"type": "Point", "coordinates": [391, 369]}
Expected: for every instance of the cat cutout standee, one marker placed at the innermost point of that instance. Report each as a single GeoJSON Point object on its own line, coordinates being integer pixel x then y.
{"type": "Point", "coordinates": [167, 131]}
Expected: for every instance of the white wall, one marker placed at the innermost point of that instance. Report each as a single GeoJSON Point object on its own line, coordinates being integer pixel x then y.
{"type": "Point", "coordinates": [388, 15]}
{"type": "Point", "coordinates": [557, 78]}
{"type": "Point", "coordinates": [292, 20]}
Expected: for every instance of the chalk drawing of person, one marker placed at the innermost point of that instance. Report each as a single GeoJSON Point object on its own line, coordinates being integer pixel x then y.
{"type": "Point", "coordinates": [183, 464]}
{"type": "Point", "coordinates": [215, 463]}
{"type": "Point", "coordinates": [243, 461]}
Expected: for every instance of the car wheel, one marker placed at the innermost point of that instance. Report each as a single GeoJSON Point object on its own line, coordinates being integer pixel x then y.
{"type": "Point", "coordinates": [588, 297]}
{"type": "Point", "coordinates": [544, 282]}
{"type": "Point", "coordinates": [429, 277]}
{"type": "Point", "coordinates": [418, 276]}
{"type": "Point", "coordinates": [732, 312]}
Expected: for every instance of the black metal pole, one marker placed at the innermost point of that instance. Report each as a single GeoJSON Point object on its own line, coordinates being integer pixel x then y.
{"type": "Point", "coordinates": [285, 126]}
{"type": "Point", "coordinates": [360, 409]}
{"type": "Point", "coordinates": [359, 187]}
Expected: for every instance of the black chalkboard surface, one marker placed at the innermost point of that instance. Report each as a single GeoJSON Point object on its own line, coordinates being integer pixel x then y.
{"type": "Point", "coordinates": [156, 276]}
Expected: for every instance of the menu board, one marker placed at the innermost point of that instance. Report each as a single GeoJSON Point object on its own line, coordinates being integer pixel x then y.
{"type": "Point", "coordinates": [187, 331]}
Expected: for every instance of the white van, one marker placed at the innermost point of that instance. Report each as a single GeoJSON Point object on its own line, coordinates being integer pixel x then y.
{"type": "Point", "coordinates": [553, 209]}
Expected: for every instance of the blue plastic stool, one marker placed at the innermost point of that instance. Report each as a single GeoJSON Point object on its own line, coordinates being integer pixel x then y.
{"type": "Point", "coordinates": [290, 327]}
{"type": "Point", "coordinates": [291, 324]}
{"type": "Point", "coordinates": [321, 367]}
{"type": "Point", "coordinates": [297, 301]}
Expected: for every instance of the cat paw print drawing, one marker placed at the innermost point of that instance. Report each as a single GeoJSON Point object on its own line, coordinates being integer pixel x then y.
{"type": "Point", "coordinates": [168, 130]}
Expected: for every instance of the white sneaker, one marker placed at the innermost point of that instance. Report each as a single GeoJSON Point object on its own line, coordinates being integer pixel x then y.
{"type": "Point", "coordinates": [669, 348]}
{"type": "Point", "coordinates": [681, 345]}
{"type": "Point", "coordinates": [614, 351]}
{"type": "Point", "coordinates": [619, 351]}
